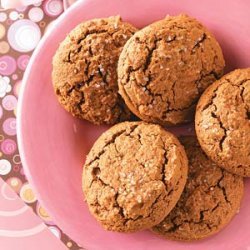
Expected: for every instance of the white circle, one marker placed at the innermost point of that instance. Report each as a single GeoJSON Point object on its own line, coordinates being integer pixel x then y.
{"type": "Point", "coordinates": [56, 6]}
{"type": "Point", "coordinates": [3, 17]}
{"type": "Point", "coordinates": [55, 231]}
{"type": "Point", "coordinates": [36, 14]}
{"type": "Point", "coordinates": [5, 167]}
{"type": "Point", "coordinates": [53, 7]}
{"type": "Point", "coordinates": [26, 38]}
{"type": "Point", "coordinates": [4, 83]}
{"type": "Point", "coordinates": [24, 35]}
{"type": "Point", "coordinates": [13, 15]}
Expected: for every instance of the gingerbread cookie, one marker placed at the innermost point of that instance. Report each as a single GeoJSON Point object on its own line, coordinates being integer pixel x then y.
{"type": "Point", "coordinates": [209, 201]}
{"type": "Point", "coordinates": [84, 70]}
{"type": "Point", "coordinates": [133, 176]}
{"type": "Point", "coordinates": [164, 68]}
{"type": "Point", "coordinates": [223, 122]}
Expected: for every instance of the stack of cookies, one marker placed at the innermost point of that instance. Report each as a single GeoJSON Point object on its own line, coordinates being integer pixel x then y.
{"type": "Point", "coordinates": [137, 174]}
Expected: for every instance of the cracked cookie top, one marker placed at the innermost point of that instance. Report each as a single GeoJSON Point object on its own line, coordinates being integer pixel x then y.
{"type": "Point", "coordinates": [209, 201]}
{"type": "Point", "coordinates": [84, 70]}
{"type": "Point", "coordinates": [223, 122]}
{"type": "Point", "coordinates": [164, 68]}
{"type": "Point", "coordinates": [133, 176]}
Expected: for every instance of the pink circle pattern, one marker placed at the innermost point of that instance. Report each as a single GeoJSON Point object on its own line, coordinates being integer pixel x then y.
{"type": "Point", "coordinates": [9, 102]}
{"type": "Point", "coordinates": [9, 126]}
{"type": "Point", "coordinates": [8, 146]}
{"type": "Point", "coordinates": [23, 61]}
{"type": "Point", "coordinates": [7, 65]}
{"type": "Point", "coordinates": [53, 8]}
{"type": "Point", "coordinates": [12, 66]}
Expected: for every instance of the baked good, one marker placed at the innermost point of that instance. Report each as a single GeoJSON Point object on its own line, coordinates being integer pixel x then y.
{"type": "Point", "coordinates": [209, 201]}
{"type": "Point", "coordinates": [133, 176]}
{"type": "Point", "coordinates": [164, 68]}
{"type": "Point", "coordinates": [84, 70]}
{"type": "Point", "coordinates": [223, 122]}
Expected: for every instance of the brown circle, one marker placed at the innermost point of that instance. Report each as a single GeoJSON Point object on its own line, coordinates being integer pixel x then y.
{"type": "Point", "coordinates": [223, 122]}
{"type": "Point", "coordinates": [165, 67]}
{"type": "Point", "coordinates": [209, 201]}
{"type": "Point", "coordinates": [133, 176]}
{"type": "Point", "coordinates": [84, 70]}
{"type": "Point", "coordinates": [16, 159]}
{"type": "Point", "coordinates": [42, 24]}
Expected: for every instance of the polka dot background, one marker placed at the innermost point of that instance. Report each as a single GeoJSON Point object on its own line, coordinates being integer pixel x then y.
{"type": "Point", "coordinates": [20, 31]}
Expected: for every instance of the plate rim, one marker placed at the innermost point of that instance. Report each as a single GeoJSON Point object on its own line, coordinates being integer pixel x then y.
{"type": "Point", "coordinates": [25, 80]}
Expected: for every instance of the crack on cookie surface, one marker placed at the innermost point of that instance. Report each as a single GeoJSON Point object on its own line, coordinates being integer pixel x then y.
{"type": "Point", "coordinates": [222, 187]}
{"type": "Point", "coordinates": [223, 138]}
{"type": "Point", "coordinates": [111, 141]}
{"type": "Point", "coordinates": [163, 170]}
{"type": "Point", "coordinates": [199, 42]}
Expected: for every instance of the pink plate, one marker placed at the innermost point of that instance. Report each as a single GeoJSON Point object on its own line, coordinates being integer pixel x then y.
{"type": "Point", "coordinates": [53, 145]}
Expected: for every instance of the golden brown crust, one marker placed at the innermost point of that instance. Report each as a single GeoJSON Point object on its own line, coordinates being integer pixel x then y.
{"type": "Point", "coordinates": [84, 70]}
{"type": "Point", "coordinates": [209, 201]}
{"type": "Point", "coordinates": [164, 68]}
{"type": "Point", "coordinates": [223, 122]}
{"type": "Point", "coordinates": [133, 176]}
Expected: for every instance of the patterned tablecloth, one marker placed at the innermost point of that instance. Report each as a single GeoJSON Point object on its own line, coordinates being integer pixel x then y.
{"type": "Point", "coordinates": [20, 31]}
